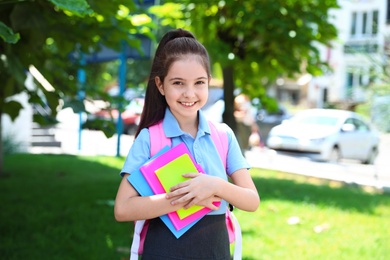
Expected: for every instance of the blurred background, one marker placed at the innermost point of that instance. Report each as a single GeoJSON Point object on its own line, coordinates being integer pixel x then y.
{"type": "Point", "coordinates": [284, 57]}
{"type": "Point", "coordinates": [80, 72]}
{"type": "Point", "coordinates": [304, 84]}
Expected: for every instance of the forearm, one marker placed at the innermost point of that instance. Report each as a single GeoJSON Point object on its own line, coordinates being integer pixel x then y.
{"type": "Point", "coordinates": [241, 194]}
{"type": "Point", "coordinates": [129, 206]}
{"type": "Point", "coordinates": [242, 198]}
{"type": "Point", "coordinates": [136, 208]}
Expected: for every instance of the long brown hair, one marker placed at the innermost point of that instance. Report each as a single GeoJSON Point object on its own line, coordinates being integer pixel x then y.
{"type": "Point", "coordinates": [173, 46]}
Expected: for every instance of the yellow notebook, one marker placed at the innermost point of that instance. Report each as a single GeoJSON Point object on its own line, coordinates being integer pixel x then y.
{"type": "Point", "coordinates": [171, 174]}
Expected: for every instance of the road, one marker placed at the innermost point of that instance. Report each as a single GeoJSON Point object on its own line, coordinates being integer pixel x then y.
{"type": "Point", "coordinates": [377, 175]}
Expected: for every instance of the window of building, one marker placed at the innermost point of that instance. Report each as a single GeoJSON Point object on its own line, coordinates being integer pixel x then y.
{"type": "Point", "coordinates": [364, 24]}
{"type": "Point", "coordinates": [375, 21]}
{"type": "Point", "coordinates": [350, 84]}
{"type": "Point", "coordinates": [357, 77]}
{"type": "Point", "coordinates": [354, 22]}
{"type": "Point", "coordinates": [349, 80]}
{"type": "Point", "coordinates": [364, 27]}
{"type": "Point", "coordinates": [388, 13]}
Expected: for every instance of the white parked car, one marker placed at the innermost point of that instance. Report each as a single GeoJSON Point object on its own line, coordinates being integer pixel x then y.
{"type": "Point", "coordinates": [327, 135]}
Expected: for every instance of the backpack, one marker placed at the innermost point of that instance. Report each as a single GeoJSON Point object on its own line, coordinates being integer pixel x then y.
{"type": "Point", "coordinates": [157, 141]}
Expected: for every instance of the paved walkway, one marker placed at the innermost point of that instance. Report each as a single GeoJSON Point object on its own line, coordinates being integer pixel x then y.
{"type": "Point", "coordinates": [351, 172]}
{"type": "Point", "coordinates": [376, 176]}
{"type": "Point", "coordinates": [95, 143]}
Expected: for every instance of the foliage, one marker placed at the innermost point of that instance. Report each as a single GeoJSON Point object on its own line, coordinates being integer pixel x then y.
{"type": "Point", "coordinates": [72, 218]}
{"type": "Point", "coordinates": [257, 41]}
{"type": "Point", "coordinates": [380, 111]}
{"type": "Point", "coordinates": [7, 34]}
{"type": "Point", "coordinates": [379, 94]}
{"type": "Point", "coordinates": [377, 105]}
{"type": "Point", "coordinates": [10, 146]}
{"type": "Point", "coordinates": [53, 36]}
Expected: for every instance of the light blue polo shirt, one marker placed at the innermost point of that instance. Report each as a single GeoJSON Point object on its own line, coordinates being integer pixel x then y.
{"type": "Point", "coordinates": [202, 149]}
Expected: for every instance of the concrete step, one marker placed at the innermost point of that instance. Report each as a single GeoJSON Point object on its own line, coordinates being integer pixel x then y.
{"type": "Point", "coordinates": [44, 136]}
{"type": "Point", "coordinates": [46, 144]}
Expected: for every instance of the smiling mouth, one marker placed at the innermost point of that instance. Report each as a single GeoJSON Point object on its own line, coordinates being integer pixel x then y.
{"type": "Point", "coordinates": [188, 104]}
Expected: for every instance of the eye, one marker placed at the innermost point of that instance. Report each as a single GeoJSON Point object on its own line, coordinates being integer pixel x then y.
{"type": "Point", "coordinates": [177, 83]}
{"type": "Point", "coordinates": [200, 82]}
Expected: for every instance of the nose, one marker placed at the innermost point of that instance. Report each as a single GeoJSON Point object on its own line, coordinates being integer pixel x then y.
{"type": "Point", "coordinates": [189, 91]}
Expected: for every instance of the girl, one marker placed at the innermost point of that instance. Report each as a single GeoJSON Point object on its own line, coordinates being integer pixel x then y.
{"type": "Point", "coordinates": [176, 91]}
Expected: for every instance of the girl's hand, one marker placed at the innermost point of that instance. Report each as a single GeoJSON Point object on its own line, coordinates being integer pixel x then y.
{"type": "Point", "coordinates": [210, 203]}
{"type": "Point", "coordinates": [195, 190]}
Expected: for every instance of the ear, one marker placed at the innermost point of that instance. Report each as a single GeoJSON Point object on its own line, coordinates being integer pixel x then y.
{"type": "Point", "coordinates": [159, 85]}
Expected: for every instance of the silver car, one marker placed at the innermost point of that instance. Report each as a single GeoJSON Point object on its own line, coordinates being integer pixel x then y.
{"type": "Point", "coordinates": [327, 135]}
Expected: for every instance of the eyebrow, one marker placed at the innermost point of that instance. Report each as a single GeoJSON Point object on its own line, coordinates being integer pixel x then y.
{"type": "Point", "coordinates": [178, 78]}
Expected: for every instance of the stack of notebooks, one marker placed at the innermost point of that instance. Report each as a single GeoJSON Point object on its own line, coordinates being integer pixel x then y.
{"type": "Point", "coordinates": [159, 174]}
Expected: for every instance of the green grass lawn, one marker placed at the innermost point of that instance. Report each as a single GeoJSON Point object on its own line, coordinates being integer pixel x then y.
{"type": "Point", "coordinates": [61, 207]}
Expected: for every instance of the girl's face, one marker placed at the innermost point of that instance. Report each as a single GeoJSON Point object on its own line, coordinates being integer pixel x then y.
{"type": "Point", "coordinates": [185, 87]}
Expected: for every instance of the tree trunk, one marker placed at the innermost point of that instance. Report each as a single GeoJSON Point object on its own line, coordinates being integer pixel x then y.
{"type": "Point", "coordinates": [228, 85]}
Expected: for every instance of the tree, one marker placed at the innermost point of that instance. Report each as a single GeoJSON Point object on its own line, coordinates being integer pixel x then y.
{"type": "Point", "coordinates": [378, 88]}
{"type": "Point", "coordinates": [44, 33]}
{"type": "Point", "coordinates": [256, 41]}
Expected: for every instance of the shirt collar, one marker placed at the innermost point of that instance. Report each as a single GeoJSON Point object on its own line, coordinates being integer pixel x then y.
{"type": "Point", "coordinates": [172, 129]}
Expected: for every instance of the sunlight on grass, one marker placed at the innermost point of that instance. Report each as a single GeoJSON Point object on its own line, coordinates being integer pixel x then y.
{"type": "Point", "coordinates": [332, 221]}
{"type": "Point", "coordinates": [61, 207]}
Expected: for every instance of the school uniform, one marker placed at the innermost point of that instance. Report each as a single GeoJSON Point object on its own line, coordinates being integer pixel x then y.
{"type": "Point", "coordinates": [207, 239]}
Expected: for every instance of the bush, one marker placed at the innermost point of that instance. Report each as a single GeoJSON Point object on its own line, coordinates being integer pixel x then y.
{"type": "Point", "coordinates": [380, 112]}
{"type": "Point", "coordinates": [10, 145]}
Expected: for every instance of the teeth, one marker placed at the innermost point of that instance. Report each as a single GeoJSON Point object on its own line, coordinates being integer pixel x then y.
{"type": "Point", "coordinates": [187, 104]}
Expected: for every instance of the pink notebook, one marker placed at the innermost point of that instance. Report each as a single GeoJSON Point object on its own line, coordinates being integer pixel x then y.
{"type": "Point", "coordinates": [149, 171]}
{"type": "Point", "coordinates": [170, 175]}
{"type": "Point", "coordinates": [152, 165]}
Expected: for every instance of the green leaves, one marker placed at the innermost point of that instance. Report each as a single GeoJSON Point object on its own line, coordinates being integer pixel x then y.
{"type": "Point", "coordinates": [275, 35]}
{"type": "Point", "coordinates": [77, 7]}
{"type": "Point", "coordinates": [8, 35]}
{"type": "Point", "coordinates": [48, 31]}
{"type": "Point", "coordinates": [12, 108]}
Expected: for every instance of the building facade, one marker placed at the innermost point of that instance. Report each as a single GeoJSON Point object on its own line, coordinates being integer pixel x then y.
{"type": "Point", "coordinates": [355, 56]}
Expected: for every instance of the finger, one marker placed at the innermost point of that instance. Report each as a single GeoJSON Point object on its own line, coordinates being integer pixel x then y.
{"type": "Point", "coordinates": [178, 192]}
{"type": "Point", "coordinates": [193, 200]}
{"type": "Point", "coordinates": [179, 186]}
{"type": "Point", "coordinates": [212, 207]}
{"type": "Point", "coordinates": [184, 199]}
{"type": "Point", "coordinates": [189, 204]}
{"type": "Point", "coordinates": [191, 174]}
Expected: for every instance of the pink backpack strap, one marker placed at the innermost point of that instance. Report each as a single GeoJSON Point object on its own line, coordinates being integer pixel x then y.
{"type": "Point", "coordinates": [221, 142]}
{"type": "Point", "coordinates": [157, 141]}
{"type": "Point", "coordinates": [220, 139]}
{"type": "Point", "coordinates": [137, 247]}
{"type": "Point", "coordinates": [158, 138]}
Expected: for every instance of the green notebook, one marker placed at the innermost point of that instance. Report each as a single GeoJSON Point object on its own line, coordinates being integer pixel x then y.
{"type": "Point", "coordinates": [171, 174]}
